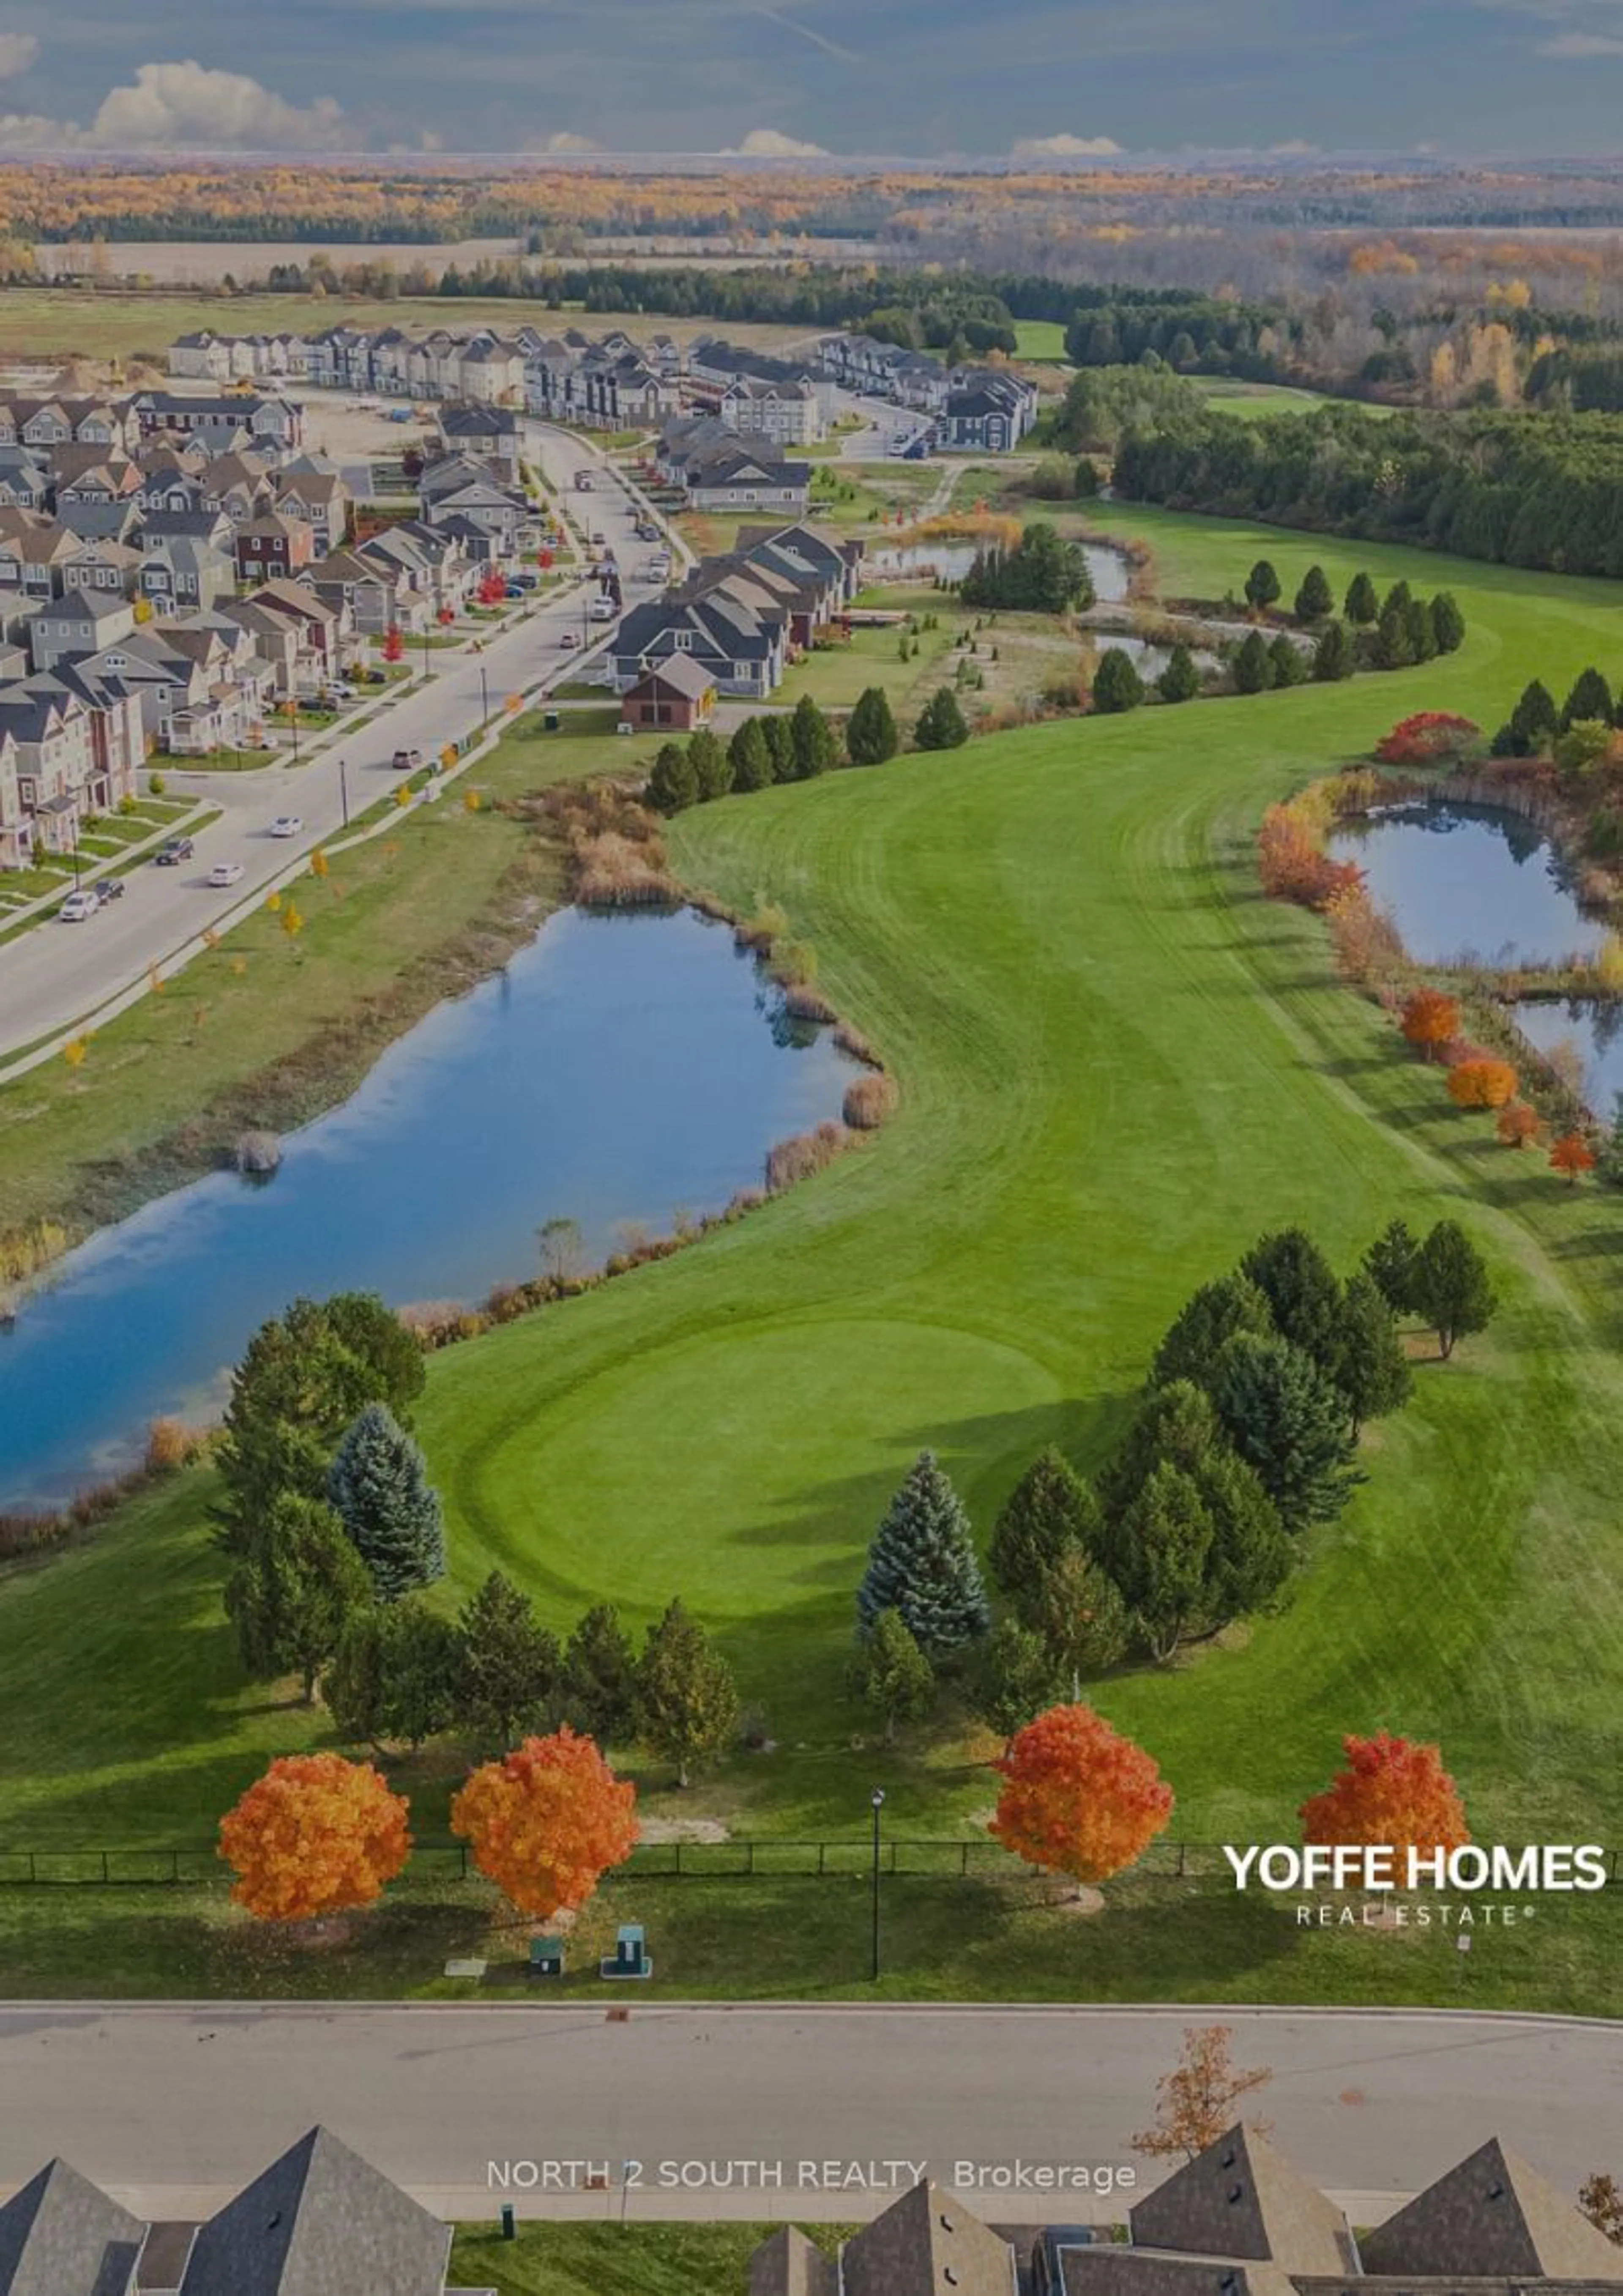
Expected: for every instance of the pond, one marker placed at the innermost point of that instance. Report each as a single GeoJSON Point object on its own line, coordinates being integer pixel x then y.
{"type": "Point", "coordinates": [924, 562]}
{"type": "Point", "coordinates": [1469, 883]}
{"type": "Point", "coordinates": [622, 1069]}
{"type": "Point", "coordinates": [1590, 1028]}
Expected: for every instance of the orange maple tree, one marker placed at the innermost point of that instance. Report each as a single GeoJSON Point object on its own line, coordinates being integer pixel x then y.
{"type": "Point", "coordinates": [1394, 1793]}
{"type": "Point", "coordinates": [1430, 1020]}
{"type": "Point", "coordinates": [1517, 1124]}
{"type": "Point", "coordinates": [1194, 2102]}
{"type": "Point", "coordinates": [1572, 1155]}
{"type": "Point", "coordinates": [548, 1821]}
{"type": "Point", "coordinates": [315, 1834]}
{"type": "Point", "coordinates": [1077, 1798]}
{"type": "Point", "coordinates": [1482, 1083]}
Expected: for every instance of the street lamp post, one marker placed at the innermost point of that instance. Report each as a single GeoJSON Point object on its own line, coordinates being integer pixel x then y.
{"type": "Point", "coordinates": [877, 1801]}
{"type": "Point", "coordinates": [343, 787]}
{"type": "Point", "coordinates": [484, 695]}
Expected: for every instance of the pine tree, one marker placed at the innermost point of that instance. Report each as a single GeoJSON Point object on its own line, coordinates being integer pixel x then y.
{"type": "Point", "coordinates": [1288, 1421]}
{"type": "Point", "coordinates": [1079, 1616]}
{"type": "Point", "coordinates": [378, 1484]}
{"type": "Point", "coordinates": [1176, 1423]}
{"type": "Point", "coordinates": [1315, 599]}
{"type": "Point", "coordinates": [687, 1700]}
{"type": "Point", "coordinates": [1165, 1547]}
{"type": "Point", "coordinates": [779, 744]}
{"type": "Point", "coordinates": [292, 1594]}
{"type": "Point", "coordinates": [1394, 640]}
{"type": "Point", "coordinates": [1422, 635]}
{"type": "Point", "coordinates": [891, 1674]}
{"type": "Point", "coordinates": [1590, 698]}
{"type": "Point", "coordinates": [393, 1674]}
{"type": "Point", "coordinates": [1012, 1679]}
{"type": "Point", "coordinates": [1289, 662]}
{"type": "Point", "coordinates": [1116, 685]}
{"type": "Point", "coordinates": [508, 1665]}
{"type": "Point", "coordinates": [712, 766]}
{"type": "Point", "coordinates": [1251, 1557]}
{"type": "Point", "coordinates": [941, 723]}
{"type": "Point", "coordinates": [812, 740]}
{"type": "Point", "coordinates": [751, 759]}
{"type": "Point", "coordinates": [1180, 681]}
{"type": "Point", "coordinates": [1447, 623]}
{"type": "Point", "coordinates": [1390, 1265]}
{"type": "Point", "coordinates": [1333, 657]}
{"type": "Point", "coordinates": [923, 1563]}
{"type": "Point", "coordinates": [1049, 1511]}
{"type": "Point", "coordinates": [871, 737]}
{"type": "Point", "coordinates": [1211, 1316]}
{"type": "Point", "coordinates": [1533, 722]}
{"type": "Point", "coordinates": [597, 1687]}
{"type": "Point", "coordinates": [1253, 667]}
{"type": "Point", "coordinates": [673, 785]}
{"type": "Point", "coordinates": [1262, 586]}
{"type": "Point", "coordinates": [1449, 1287]}
{"type": "Point", "coordinates": [1363, 607]}
{"type": "Point", "coordinates": [1300, 1287]}
{"type": "Point", "coordinates": [1371, 1368]}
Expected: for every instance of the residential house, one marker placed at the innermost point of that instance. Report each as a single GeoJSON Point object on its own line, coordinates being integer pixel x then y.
{"type": "Point", "coordinates": [377, 593]}
{"type": "Point", "coordinates": [988, 412]}
{"type": "Point", "coordinates": [54, 764]}
{"type": "Point", "coordinates": [741, 481]}
{"type": "Point", "coordinates": [491, 372]}
{"type": "Point", "coordinates": [34, 552]}
{"type": "Point", "coordinates": [16, 848]}
{"type": "Point", "coordinates": [489, 434]}
{"type": "Point", "coordinates": [785, 414]}
{"type": "Point", "coordinates": [741, 646]}
{"type": "Point", "coordinates": [181, 572]}
{"type": "Point", "coordinates": [277, 639]}
{"type": "Point", "coordinates": [112, 569]}
{"type": "Point", "coordinates": [79, 622]}
{"type": "Point", "coordinates": [271, 547]}
{"type": "Point", "coordinates": [117, 731]}
{"type": "Point", "coordinates": [272, 419]}
{"type": "Point", "coordinates": [203, 357]}
{"type": "Point", "coordinates": [676, 695]}
{"type": "Point", "coordinates": [326, 632]}
{"type": "Point", "coordinates": [25, 478]}
{"type": "Point", "coordinates": [432, 561]}
{"type": "Point", "coordinates": [1490, 2217]}
{"type": "Point", "coordinates": [494, 521]}
{"type": "Point", "coordinates": [310, 492]}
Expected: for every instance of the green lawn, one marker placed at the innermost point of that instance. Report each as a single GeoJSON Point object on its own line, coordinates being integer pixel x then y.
{"type": "Point", "coordinates": [1118, 1064]}
{"type": "Point", "coordinates": [612, 2259]}
{"type": "Point", "coordinates": [1041, 340]}
{"type": "Point", "coordinates": [1251, 401]}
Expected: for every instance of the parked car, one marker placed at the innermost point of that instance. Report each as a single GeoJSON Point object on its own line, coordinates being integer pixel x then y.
{"type": "Point", "coordinates": [520, 583]}
{"type": "Point", "coordinates": [600, 542]}
{"type": "Point", "coordinates": [108, 888]}
{"type": "Point", "coordinates": [336, 694]}
{"type": "Point", "coordinates": [406, 761]}
{"type": "Point", "coordinates": [78, 906]}
{"type": "Point", "coordinates": [177, 849]}
{"type": "Point", "coordinates": [287, 824]}
{"type": "Point", "coordinates": [568, 641]}
{"type": "Point", "coordinates": [225, 873]}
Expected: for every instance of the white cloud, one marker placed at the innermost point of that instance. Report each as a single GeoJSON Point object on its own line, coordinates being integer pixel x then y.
{"type": "Point", "coordinates": [30, 131]}
{"type": "Point", "coordinates": [771, 143]}
{"type": "Point", "coordinates": [188, 105]}
{"type": "Point", "coordinates": [1579, 45]}
{"type": "Point", "coordinates": [18, 51]}
{"type": "Point", "coordinates": [1065, 147]}
{"type": "Point", "coordinates": [563, 143]}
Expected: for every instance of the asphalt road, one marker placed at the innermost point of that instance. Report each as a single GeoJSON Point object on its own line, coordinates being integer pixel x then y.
{"type": "Point", "coordinates": [757, 2111]}
{"type": "Point", "coordinates": [56, 974]}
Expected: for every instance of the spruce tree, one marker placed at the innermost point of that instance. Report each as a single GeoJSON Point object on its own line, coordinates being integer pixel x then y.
{"type": "Point", "coordinates": [1447, 623]}
{"type": "Point", "coordinates": [1211, 1316]}
{"type": "Point", "coordinates": [1176, 1423]}
{"type": "Point", "coordinates": [687, 1701]}
{"type": "Point", "coordinates": [1050, 1511]}
{"type": "Point", "coordinates": [1590, 698]}
{"type": "Point", "coordinates": [1289, 662]}
{"type": "Point", "coordinates": [779, 744]}
{"type": "Point", "coordinates": [891, 1674]}
{"type": "Point", "coordinates": [1079, 1616]}
{"type": "Point", "coordinates": [1301, 1289]}
{"type": "Point", "coordinates": [1180, 681]}
{"type": "Point", "coordinates": [393, 1676]}
{"type": "Point", "coordinates": [1422, 635]}
{"type": "Point", "coordinates": [1371, 1368]}
{"type": "Point", "coordinates": [1333, 657]}
{"type": "Point", "coordinates": [1315, 599]}
{"type": "Point", "coordinates": [812, 740]}
{"type": "Point", "coordinates": [1014, 1678]}
{"type": "Point", "coordinates": [941, 723]}
{"type": "Point", "coordinates": [712, 766]}
{"type": "Point", "coordinates": [1363, 607]}
{"type": "Point", "coordinates": [597, 1685]}
{"type": "Point", "coordinates": [1251, 1557]}
{"type": "Point", "coordinates": [1390, 1265]}
{"type": "Point", "coordinates": [750, 758]}
{"type": "Point", "coordinates": [1116, 685]}
{"type": "Point", "coordinates": [378, 1484]}
{"type": "Point", "coordinates": [508, 1665]}
{"type": "Point", "coordinates": [1533, 722]}
{"type": "Point", "coordinates": [294, 1590]}
{"type": "Point", "coordinates": [923, 1563]}
{"type": "Point", "coordinates": [1288, 1421]}
{"type": "Point", "coordinates": [1253, 668]}
{"type": "Point", "coordinates": [1262, 586]}
{"type": "Point", "coordinates": [673, 785]}
{"type": "Point", "coordinates": [1165, 1547]}
{"type": "Point", "coordinates": [871, 737]}
{"type": "Point", "coordinates": [1449, 1287]}
{"type": "Point", "coordinates": [1394, 640]}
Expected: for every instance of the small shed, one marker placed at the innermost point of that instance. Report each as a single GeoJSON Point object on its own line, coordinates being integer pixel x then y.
{"type": "Point", "coordinates": [676, 696]}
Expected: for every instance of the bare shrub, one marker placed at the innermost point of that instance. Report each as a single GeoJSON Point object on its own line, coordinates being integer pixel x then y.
{"type": "Point", "coordinates": [170, 1444]}
{"type": "Point", "coordinates": [256, 1151]}
{"type": "Point", "coordinates": [803, 1002]}
{"type": "Point", "coordinates": [613, 872]}
{"type": "Point", "coordinates": [870, 1101]}
{"type": "Point", "coordinates": [852, 1041]}
{"type": "Point", "coordinates": [806, 1153]}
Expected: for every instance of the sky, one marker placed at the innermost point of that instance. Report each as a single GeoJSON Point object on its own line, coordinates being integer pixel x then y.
{"type": "Point", "coordinates": [905, 78]}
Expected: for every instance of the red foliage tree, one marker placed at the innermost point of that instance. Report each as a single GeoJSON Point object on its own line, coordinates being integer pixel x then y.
{"type": "Point", "coordinates": [1430, 1020]}
{"type": "Point", "coordinates": [1293, 864]}
{"type": "Point", "coordinates": [394, 642]}
{"type": "Point", "coordinates": [1517, 1124]}
{"type": "Point", "coordinates": [492, 587]}
{"type": "Point", "coordinates": [1572, 1155]}
{"type": "Point", "coordinates": [1429, 737]}
{"type": "Point", "coordinates": [1394, 1793]}
{"type": "Point", "coordinates": [546, 1821]}
{"type": "Point", "coordinates": [1077, 1798]}
{"type": "Point", "coordinates": [315, 1835]}
{"type": "Point", "coordinates": [1482, 1083]}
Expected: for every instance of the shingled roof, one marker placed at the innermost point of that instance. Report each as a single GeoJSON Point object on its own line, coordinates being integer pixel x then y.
{"type": "Point", "coordinates": [320, 2222]}
{"type": "Point", "coordinates": [927, 2244]}
{"type": "Point", "coordinates": [1491, 2214]}
{"type": "Point", "coordinates": [62, 2236]}
{"type": "Point", "coordinates": [1131, 2271]}
{"type": "Point", "coordinates": [1241, 2198]}
{"type": "Point", "coordinates": [789, 2264]}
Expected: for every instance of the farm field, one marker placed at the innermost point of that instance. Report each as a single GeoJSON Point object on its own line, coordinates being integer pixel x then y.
{"type": "Point", "coordinates": [1118, 1065]}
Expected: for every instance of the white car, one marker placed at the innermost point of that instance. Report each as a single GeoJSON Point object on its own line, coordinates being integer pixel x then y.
{"type": "Point", "coordinates": [78, 906]}
{"type": "Point", "coordinates": [287, 824]}
{"type": "Point", "coordinates": [225, 873]}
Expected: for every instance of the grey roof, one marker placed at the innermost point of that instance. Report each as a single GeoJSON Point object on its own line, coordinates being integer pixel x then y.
{"type": "Point", "coordinates": [1130, 2272]}
{"type": "Point", "coordinates": [62, 2236]}
{"type": "Point", "coordinates": [1491, 2214]}
{"type": "Point", "coordinates": [1241, 2198]}
{"type": "Point", "coordinates": [789, 2264]}
{"type": "Point", "coordinates": [320, 2222]}
{"type": "Point", "coordinates": [681, 672]}
{"type": "Point", "coordinates": [924, 2244]}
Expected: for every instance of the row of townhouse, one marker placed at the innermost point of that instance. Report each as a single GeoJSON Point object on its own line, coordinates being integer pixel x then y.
{"type": "Point", "coordinates": [715, 471]}
{"type": "Point", "coordinates": [987, 409]}
{"type": "Point", "coordinates": [734, 625]}
{"type": "Point", "coordinates": [784, 401]}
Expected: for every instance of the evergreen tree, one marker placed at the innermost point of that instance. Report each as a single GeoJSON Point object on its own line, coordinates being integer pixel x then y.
{"type": "Point", "coordinates": [1251, 1557]}
{"type": "Point", "coordinates": [1450, 1288]}
{"type": "Point", "coordinates": [891, 1674]}
{"type": "Point", "coordinates": [1164, 1551]}
{"type": "Point", "coordinates": [1262, 586]}
{"type": "Point", "coordinates": [1590, 698]}
{"type": "Point", "coordinates": [293, 1590]}
{"type": "Point", "coordinates": [923, 1563]}
{"type": "Point", "coordinates": [1390, 1265]}
{"type": "Point", "coordinates": [1012, 1679]}
{"type": "Point", "coordinates": [378, 1485]}
{"type": "Point", "coordinates": [1116, 685]}
{"type": "Point", "coordinates": [687, 1697]}
{"type": "Point", "coordinates": [1447, 623]}
{"type": "Point", "coordinates": [1371, 1368]}
{"type": "Point", "coordinates": [1314, 598]}
{"type": "Point", "coordinates": [393, 1674]}
{"type": "Point", "coordinates": [1422, 636]}
{"type": "Point", "coordinates": [871, 737]}
{"type": "Point", "coordinates": [1043, 574]}
{"type": "Point", "coordinates": [1290, 1421]}
{"type": "Point", "coordinates": [1300, 1287]}
{"type": "Point", "coordinates": [751, 759]}
{"type": "Point", "coordinates": [1175, 1423]}
{"type": "Point", "coordinates": [1211, 1316]}
{"type": "Point", "coordinates": [597, 1687]}
{"type": "Point", "coordinates": [779, 744]}
{"type": "Point", "coordinates": [1363, 607]}
{"type": "Point", "coordinates": [1049, 1511]}
{"type": "Point", "coordinates": [1333, 657]}
{"type": "Point", "coordinates": [812, 740]}
{"type": "Point", "coordinates": [1394, 639]}
{"type": "Point", "coordinates": [941, 723]}
{"type": "Point", "coordinates": [711, 764]}
{"type": "Point", "coordinates": [673, 785]}
{"type": "Point", "coordinates": [1253, 667]}
{"type": "Point", "coordinates": [508, 1665]}
{"type": "Point", "coordinates": [1533, 722]}
{"type": "Point", "coordinates": [1180, 681]}
{"type": "Point", "coordinates": [1289, 662]}
{"type": "Point", "coordinates": [1079, 1616]}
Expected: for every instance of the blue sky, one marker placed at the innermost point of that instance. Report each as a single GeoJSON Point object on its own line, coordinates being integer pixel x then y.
{"type": "Point", "coordinates": [915, 78]}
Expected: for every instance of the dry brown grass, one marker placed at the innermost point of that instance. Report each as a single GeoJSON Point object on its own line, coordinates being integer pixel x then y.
{"type": "Point", "coordinates": [171, 1444]}
{"type": "Point", "coordinates": [802, 1001]}
{"type": "Point", "coordinates": [798, 1158]}
{"type": "Point", "coordinates": [870, 1101]}
{"type": "Point", "coordinates": [852, 1041]}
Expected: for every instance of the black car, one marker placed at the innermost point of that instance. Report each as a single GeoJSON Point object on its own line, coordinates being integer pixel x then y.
{"type": "Point", "coordinates": [177, 849]}
{"type": "Point", "coordinates": [108, 888]}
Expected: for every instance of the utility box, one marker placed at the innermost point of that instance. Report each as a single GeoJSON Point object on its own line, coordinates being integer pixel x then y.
{"type": "Point", "coordinates": [546, 1956]}
{"type": "Point", "coordinates": [629, 1960]}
